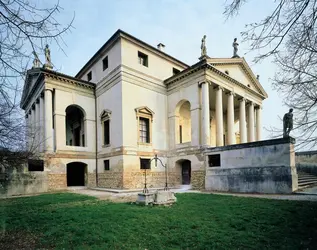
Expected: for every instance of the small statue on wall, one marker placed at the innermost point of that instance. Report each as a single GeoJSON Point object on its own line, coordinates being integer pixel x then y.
{"type": "Point", "coordinates": [48, 62]}
{"type": "Point", "coordinates": [287, 123]}
{"type": "Point", "coordinates": [235, 45]}
{"type": "Point", "coordinates": [36, 61]}
{"type": "Point", "coordinates": [203, 46]}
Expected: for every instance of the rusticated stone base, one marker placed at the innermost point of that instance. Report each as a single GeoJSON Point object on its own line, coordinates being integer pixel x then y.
{"type": "Point", "coordinates": [198, 180]}
{"type": "Point", "coordinates": [57, 181]}
{"type": "Point", "coordinates": [110, 180]}
{"type": "Point", "coordinates": [91, 180]}
{"type": "Point", "coordinates": [136, 179]}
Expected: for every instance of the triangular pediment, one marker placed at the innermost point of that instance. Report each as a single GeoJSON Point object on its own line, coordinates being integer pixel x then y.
{"type": "Point", "coordinates": [239, 70]}
{"type": "Point", "coordinates": [105, 114]}
{"type": "Point", "coordinates": [30, 79]}
{"type": "Point", "coordinates": [144, 110]}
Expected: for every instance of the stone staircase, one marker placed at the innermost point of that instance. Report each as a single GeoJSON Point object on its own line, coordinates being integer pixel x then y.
{"type": "Point", "coordinates": [306, 180]}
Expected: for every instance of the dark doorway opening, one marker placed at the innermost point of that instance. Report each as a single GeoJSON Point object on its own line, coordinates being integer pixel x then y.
{"type": "Point", "coordinates": [186, 172]}
{"type": "Point", "coordinates": [76, 174]}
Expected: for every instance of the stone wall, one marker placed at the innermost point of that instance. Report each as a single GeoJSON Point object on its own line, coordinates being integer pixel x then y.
{"type": "Point", "coordinates": [198, 180]}
{"type": "Point", "coordinates": [23, 183]}
{"type": "Point", "coordinates": [57, 181]}
{"type": "Point", "coordinates": [306, 162]}
{"type": "Point", "coordinates": [257, 167]}
{"type": "Point", "coordinates": [110, 179]}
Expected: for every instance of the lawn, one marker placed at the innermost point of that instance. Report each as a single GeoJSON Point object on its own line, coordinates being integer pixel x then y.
{"type": "Point", "coordinates": [197, 221]}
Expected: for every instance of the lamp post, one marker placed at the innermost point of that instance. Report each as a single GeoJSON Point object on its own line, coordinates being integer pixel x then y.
{"type": "Point", "coordinates": [145, 189]}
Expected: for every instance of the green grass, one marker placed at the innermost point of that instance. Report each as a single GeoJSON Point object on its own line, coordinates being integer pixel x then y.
{"type": "Point", "coordinates": [196, 221]}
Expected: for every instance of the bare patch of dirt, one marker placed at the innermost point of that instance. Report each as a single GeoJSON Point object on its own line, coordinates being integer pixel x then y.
{"type": "Point", "coordinates": [18, 240]}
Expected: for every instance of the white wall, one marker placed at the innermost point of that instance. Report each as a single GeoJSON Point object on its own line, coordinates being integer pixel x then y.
{"type": "Point", "coordinates": [114, 60]}
{"type": "Point", "coordinates": [111, 100]}
{"type": "Point", "coordinates": [135, 96]}
{"type": "Point", "coordinates": [158, 67]}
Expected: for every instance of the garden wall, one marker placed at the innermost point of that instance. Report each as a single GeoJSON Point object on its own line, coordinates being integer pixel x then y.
{"type": "Point", "coordinates": [256, 167]}
{"type": "Point", "coordinates": [16, 183]}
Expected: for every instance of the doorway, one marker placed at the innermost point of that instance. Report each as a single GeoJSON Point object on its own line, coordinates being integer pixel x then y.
{"type": "Point", "coordinates": [76, 172]}
{"type": "Point", "coordinates": [186, 172]}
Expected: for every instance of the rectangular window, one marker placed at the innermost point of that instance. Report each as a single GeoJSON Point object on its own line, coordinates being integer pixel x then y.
{"type": "Point", "coordinates": [144, 130]}
{"type": "Point", "coordinates": [89, 76]}
{"type": "Point", "coordinates": [105, 63]}
{"type": "Point", "coordinates": [35, 165]}
{"type": "Point", "coordinates": [214, 160]}
{"type": "Point", "coordinates": [175, 71]}
{"type": "Point", "coordinates": [106, 164]}
{"type": "Point", "coordinates": [180, 134]}
{"type": "Point", "coordinates": [145, 164]}
{"type": "Point", "coordinates": [143, 59]}
{"type": "Point", "coordinates": [106, 132]}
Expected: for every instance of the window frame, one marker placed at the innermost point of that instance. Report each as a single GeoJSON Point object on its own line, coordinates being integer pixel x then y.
{"type": "Point", "coordinates": [148, 165]}
{"type": "Point", "coordinates": [105, 63]}
{"type": "Point", "coordinates": [108, 165]}
{"type": "Point", "coordinates": [105, 116]}
{"type": "Point", "coordinates": [89, 76]}
{"type": "Point", "coordinates": [143, 59]}
{"type": "Point", "coordinates": [144, 113]}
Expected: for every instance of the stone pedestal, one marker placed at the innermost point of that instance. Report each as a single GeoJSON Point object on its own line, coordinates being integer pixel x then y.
{"type": "Point", "coordinates": [145, 198]}
{"type": "Point", "coordinates": [160, 197]}
{"type": "Point", "coordinates": [164, 198]}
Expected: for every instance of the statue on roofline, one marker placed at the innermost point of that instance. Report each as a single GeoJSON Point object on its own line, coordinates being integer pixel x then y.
{"type": "Point", "coordinates": [203, 46]}
{"type": "Point", "coordinates": [287, 123]}
{"type": "Point", "coordinates": [235, 45]}
{"type": "Point", "coordinates": [36, 61]}
{"type": "Point", "coordinates": [47, 52]}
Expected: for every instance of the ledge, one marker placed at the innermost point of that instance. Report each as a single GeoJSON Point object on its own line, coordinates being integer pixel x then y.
{"type": "Point", "coordinates": [252, 144]}
{"type": "Point", "coordinates": [306, 153]}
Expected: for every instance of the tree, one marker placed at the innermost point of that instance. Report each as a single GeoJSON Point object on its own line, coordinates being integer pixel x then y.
{"type": "Point", "coordinates": [25, 28]}
{"type": "Point", "coordinates": [288, 35]}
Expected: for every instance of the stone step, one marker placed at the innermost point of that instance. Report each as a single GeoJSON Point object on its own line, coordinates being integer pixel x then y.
{"type": "Point", "coordinates": [306, 178]}
{"type": "Point", "coordinates": [301, 184]}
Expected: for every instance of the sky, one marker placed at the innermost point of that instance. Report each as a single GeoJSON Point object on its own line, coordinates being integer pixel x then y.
{"type": "Point", "coordinates": [178, 24]}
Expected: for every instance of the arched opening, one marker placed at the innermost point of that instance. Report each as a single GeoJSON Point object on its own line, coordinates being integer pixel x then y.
{"type": "Point", "coordinates": [185, 171]}
{"type": "Point", "coordinates": [183, 127]}
{"type": "Point", "coordinates": [75, 126]}
{"type": "Point", "coordinates": [76, 174]}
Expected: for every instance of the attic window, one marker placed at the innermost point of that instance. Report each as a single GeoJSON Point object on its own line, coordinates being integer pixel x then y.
{"type": "Point", "coordinates": [227, 72]}
{"type": "Point", "coordinates": [176, 71]}
{"type": "Point", "coordinates": [89, 76]}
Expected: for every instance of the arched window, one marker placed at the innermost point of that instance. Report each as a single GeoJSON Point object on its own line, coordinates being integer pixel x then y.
{"type": "Point", "coordinates": [75, 126]}
{"type": "Point", "coordinates": [105, 124]}
{"type": "Point", "coordinates": [183, 116]}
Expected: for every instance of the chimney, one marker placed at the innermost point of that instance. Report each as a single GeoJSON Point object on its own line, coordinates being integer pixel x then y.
{"type": "Point", "coordinates": [161, 47]}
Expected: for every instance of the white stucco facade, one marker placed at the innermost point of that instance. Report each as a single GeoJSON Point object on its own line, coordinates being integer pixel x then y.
{"type": "Point", "coordinates": [118, 112]}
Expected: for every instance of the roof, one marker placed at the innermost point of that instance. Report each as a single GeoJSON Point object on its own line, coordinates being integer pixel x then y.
{"type": "Point", "coordinates": [206, 64]}
{"type": "Point", "coordinates": [40, 73]}
{"type": "Point", "coordinates": [118, 34]}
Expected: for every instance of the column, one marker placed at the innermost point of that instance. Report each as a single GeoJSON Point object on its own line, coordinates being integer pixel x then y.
{"type": "Point", "coordinates": [258, 123]}
{"type": "Point", "coordinates": [205, 113]}
{"type": "Point", "coordinates": [37, 125]}
{"type": "Point", "coordinates": [242, 122]}
{"type": "Point", "coordinates": [230, 119]}
{"type": "Point", "coordinates": [251, 122]}
{"type": "Point", "coordinates": [29, 129]}
{"type": "Point", "coordinates": [48, 120]}
{"type": "Point", "coordinates": [41, 138]}
{"type": "Point", "coordinates": [219, 117]}
{"type": "Point", "coordinates": [33, 128]}
{"type": "Point", "coordinates": [195, 123]}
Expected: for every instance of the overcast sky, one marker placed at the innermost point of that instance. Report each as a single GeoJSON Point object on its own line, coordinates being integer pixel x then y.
{"type": "Point", "coordinates": [179, 24]}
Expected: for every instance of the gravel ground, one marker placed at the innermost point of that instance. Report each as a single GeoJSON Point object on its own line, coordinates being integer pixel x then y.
{"type": "Point", "coordinates": [131, 197]}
